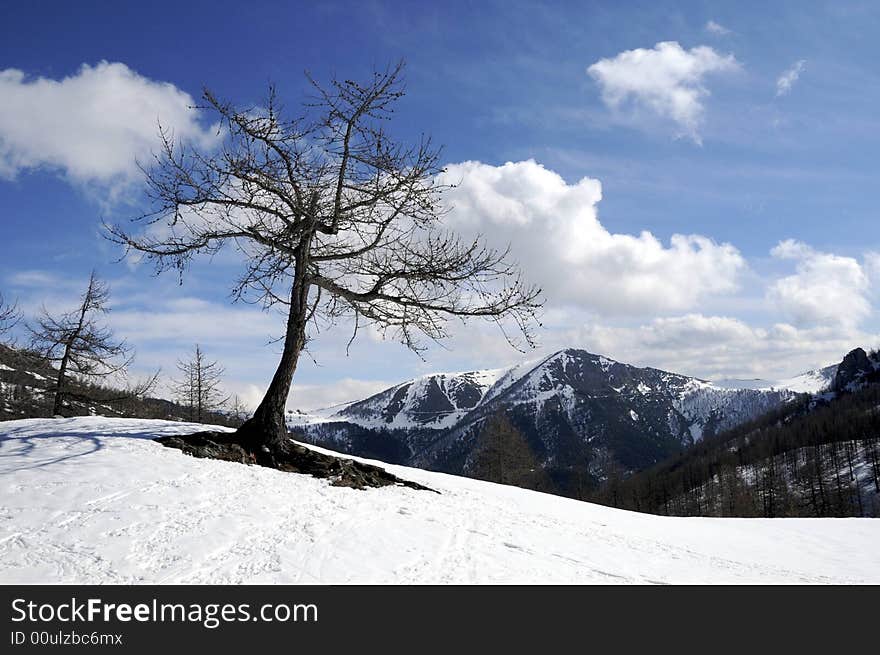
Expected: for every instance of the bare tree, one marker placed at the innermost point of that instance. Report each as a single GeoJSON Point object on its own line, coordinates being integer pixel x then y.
{"type": "Point", "coordinates": [199, 385]}
{"type": "Point", "coordinates": [9, 315]}
{"type": "Point", "coordinates": [238, 411]}
{"type": "Point", "coordinates": [81, 347]}
{"type": "Point", "coordinates": [335, 220]}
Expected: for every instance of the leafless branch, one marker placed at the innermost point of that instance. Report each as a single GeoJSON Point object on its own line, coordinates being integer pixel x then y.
{"type": "Point", "coordinates": [10, 315]}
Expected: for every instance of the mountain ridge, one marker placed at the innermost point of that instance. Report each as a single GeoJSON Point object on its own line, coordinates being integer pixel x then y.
{"type": "Point", "coordinates": [574, 408]}
{"type": "Point", "coordinates": [812, 381]}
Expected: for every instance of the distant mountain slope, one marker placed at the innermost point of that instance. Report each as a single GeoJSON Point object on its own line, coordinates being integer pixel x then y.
{"type": "Point", "coordinates": [580, 413]}
{"type": "Point", "coordinates": [445, 400]}
{"type": "Point", "coordinates": [816, 457]}
{"type": "Point", "coordinates": [814, 381]}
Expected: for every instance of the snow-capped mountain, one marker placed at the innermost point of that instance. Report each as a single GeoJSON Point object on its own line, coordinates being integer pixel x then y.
{"type": "Point", "coordinates": [579, 413]}
{"type": "Point", "coordinates": [443, 400]}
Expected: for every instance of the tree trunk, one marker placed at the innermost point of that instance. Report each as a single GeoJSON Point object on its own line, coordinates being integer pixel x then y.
{"type": "Point", "coordinates": [267, 429]}
{"type": "Point", "coordinates": [58, 405]}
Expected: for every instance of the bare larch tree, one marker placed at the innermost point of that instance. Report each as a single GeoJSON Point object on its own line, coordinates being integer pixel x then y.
{"type": "Point", "coordinates": [199, 384]}
{"type": "Point", "coordinates": [334, 219]}
{"type": "Point", "coordinates": [238, 410]}
{"type": "Point", "coordinates": [81, 347]}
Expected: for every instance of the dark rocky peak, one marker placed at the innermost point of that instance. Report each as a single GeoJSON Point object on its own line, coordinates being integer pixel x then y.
{"type": "Point", "coordinates": [853, 370]}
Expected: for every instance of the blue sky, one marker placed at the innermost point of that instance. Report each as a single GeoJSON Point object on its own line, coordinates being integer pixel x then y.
{"type": "Point", "coordinates": [753, 129]}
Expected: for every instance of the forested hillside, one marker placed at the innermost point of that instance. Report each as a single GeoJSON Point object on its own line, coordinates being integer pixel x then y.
{"type": "Point", "coordinates": [816, 457]}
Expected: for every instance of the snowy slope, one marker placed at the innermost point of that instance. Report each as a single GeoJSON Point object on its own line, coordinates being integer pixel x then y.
{"type": "Point", "coordinates": [93, 500]}
{"type": "Point", "coordinates": [815, 381]}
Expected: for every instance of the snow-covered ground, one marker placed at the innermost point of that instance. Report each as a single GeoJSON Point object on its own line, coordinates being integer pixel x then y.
{"type": "Point", "coordinates": [93, 500]}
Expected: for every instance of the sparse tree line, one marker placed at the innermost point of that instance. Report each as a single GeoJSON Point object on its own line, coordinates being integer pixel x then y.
{"type": "Point", "coordinates": [73, 364]}
{"type": "Point", "coordinates": [800, 461]}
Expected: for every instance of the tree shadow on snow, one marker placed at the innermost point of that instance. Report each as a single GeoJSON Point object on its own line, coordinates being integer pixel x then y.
{"type": "Point", "coordinates": [17, 453]}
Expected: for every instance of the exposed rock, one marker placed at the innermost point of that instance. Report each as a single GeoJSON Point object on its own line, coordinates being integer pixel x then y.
{"type": "Point", "coordinates": [210, 445]}
{"type": "Point", "coordinates": [294, 458]}
{"type": "Point", "coordinates": [852, 370]}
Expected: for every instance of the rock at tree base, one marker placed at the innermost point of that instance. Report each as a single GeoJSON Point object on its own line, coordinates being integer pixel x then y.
{"type": "Point", "coordinates": [293, 459]}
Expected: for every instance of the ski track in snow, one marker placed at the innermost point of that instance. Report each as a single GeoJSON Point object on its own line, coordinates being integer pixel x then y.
{"type": "Point", "coordinates": [94, 500]}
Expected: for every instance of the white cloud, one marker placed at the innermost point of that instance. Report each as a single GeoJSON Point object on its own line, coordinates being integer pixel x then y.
{"type": "Point", "coordinates": [721, 346]}
{"type": "Point", "coordinates": [716, 28]}
{"type": "Point", "coordinates": [311, 397]}
{"type": "Point", "coordinates": [91, 125]}
{"type": "Point", "coordinates": [249, 395]}
{"type": "Point", "coordinates": [555, 234]}
{"type": "Point", "coordinates": [666, 80]}
{"type": "Point", "coordinates": [185, 321]}
{"type": "Point", "coordinates": [825, 289]}
{"type": "Point", "coordinates": [789, 77]}
{"type": "Point", "coordinates": [36, 278]}
{"type": "Point", "coordinates": [322, 396]}
{"type": "Point", "coordinates": [872, 266]}
{"type": "Point", "coordinates": [35, 289]}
